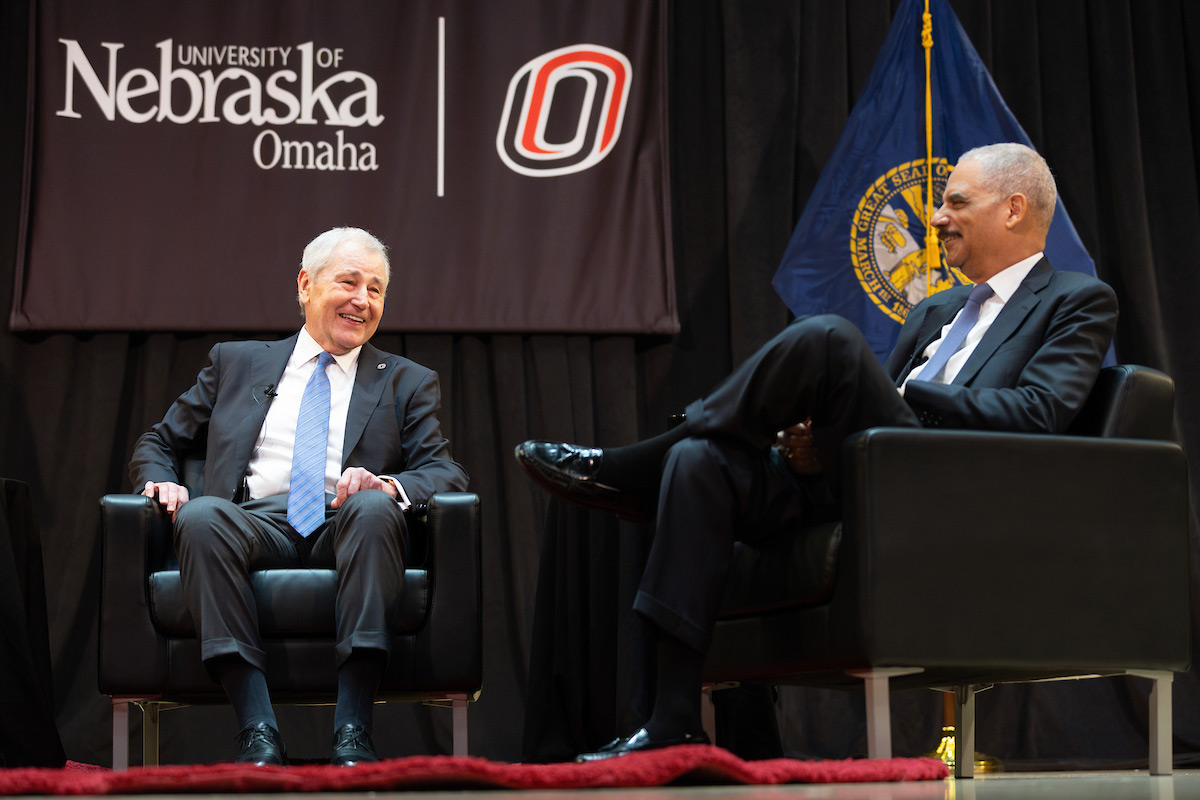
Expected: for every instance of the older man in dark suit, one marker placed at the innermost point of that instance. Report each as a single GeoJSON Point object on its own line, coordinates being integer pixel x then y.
{"type": "Point", "coordinates": [314, 446]}
{"type": "Point", "coordinates": [1017, 351]}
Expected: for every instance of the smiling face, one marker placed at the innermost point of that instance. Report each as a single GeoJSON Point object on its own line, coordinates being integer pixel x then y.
{"type": "Point", "coordinates": [973, 222]}
{"type": "Point", "coordinates": [344, 302]}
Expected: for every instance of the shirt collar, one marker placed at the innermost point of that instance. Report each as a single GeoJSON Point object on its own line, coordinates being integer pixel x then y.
{"type": "Point", "coordinates": [1005, 282]}
{"type": "Point", "coordinates": [307, 349]}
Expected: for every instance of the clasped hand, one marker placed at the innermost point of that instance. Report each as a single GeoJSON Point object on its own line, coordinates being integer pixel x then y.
{"type": "Point", "coordinates": [795, 444]}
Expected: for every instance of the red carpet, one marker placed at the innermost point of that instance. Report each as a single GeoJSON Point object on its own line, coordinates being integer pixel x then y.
{"type": "Point", "coordinates": [687, 764]}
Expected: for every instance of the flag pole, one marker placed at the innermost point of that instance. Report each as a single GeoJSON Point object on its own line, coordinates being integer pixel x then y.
{"type": "Point", "coordinates": [932, 255]}
{"type": "Point", "coordinates": [945, 749]}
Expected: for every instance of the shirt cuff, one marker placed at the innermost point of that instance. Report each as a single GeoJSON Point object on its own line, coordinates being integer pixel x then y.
{"type": "Point", "coordinates": [401, 495]}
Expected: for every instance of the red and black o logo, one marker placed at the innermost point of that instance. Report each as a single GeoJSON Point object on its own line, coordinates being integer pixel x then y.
{"type": "Point", "coordinates": [564, 110]}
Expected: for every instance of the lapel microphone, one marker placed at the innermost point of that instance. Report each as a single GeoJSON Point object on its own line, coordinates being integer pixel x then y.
{"type": "Point", "coordinates": [268, 393]}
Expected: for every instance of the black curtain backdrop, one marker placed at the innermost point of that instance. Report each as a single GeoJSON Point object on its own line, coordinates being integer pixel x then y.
{"type": "Point", "coordinates": [760, 89]}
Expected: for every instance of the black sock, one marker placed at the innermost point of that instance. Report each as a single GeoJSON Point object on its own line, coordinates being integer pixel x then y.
{"type": "Point", "coordinates": [358, 683]}
{"type": "Point", "coordinates": [637, 467]}
{"type": "Point", "coordinates": [246, 686]}
{"type": "Point", "coordinates": [677, 694]}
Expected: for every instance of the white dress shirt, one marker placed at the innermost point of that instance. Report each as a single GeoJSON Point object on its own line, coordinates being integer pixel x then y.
{"type": "Point", "coordinates": [270, 470]}
{"type": "Point", "coordinates": [1004, 284]}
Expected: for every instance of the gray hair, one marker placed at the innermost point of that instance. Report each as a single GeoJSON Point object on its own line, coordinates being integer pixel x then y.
{"type": "Point", "coordinates": [1010, 168]}
{"type": "Point", "coordinates": [319, 252]}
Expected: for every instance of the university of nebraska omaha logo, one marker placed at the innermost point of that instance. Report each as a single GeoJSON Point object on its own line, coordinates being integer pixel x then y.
{"type": "Point", "coordinates": [887, 239]}
{"type": "Point", "coordinates": [542, 138]}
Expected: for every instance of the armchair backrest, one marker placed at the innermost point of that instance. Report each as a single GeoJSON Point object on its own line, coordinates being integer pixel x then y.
{"type": "Point", "coordinates": [1128, 402]}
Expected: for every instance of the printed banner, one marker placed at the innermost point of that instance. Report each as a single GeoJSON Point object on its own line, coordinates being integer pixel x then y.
{"type": "Point", "coordinates": [858, 249]}
{"type": "Point", "coordinates": [513, 156]}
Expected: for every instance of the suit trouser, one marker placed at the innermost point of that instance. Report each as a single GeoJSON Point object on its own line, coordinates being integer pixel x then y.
{"type": "Point", "coordinates": [724, 483]}
{"type": "Point", "coordinates": [220, 543]}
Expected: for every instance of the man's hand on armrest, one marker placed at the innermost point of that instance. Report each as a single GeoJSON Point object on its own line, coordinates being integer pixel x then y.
{"type": "Point", "coordinates": [170, 495]}
{"type": "Point", "coordinates": [356, 479]}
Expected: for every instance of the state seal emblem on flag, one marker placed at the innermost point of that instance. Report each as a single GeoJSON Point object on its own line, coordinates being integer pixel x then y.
{"type": "Point", "coordinates": [887, 239]}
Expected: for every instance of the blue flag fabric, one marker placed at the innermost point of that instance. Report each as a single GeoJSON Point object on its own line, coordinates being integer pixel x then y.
{"type": "Point", "coordinates": [859, 248]}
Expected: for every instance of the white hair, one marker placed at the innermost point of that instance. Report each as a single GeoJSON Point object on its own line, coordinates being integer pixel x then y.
{"type": "Point", "coordinates": [1010, 168]}
{"type": "Point", "coordinates": [319, 252]}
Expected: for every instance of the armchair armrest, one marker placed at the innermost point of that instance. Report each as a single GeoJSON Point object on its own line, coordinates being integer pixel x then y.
{"type": "Point", "coordinates": [453, 632]}
{"type": "Point", "coordinates": [135, 539]}
{"type": "Point", "coordinates": [998, 549]}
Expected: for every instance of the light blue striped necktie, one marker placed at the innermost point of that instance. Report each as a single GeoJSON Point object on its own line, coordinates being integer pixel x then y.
{"type": "Point", "coordinates": [957, 333]}
{"type": "Point", "coordinates": [306, 496]}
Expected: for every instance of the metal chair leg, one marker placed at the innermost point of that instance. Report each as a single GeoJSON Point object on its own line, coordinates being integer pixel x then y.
{"type": "Point", "coordinates": [149, 733]}
{"type": "Point", "coordinates": [120, 734]}
{"type": "Point", "coordinates": [1160, 729]}
{"type": "Point", "coordinates": [708, 713]}
{"type": "Point", "coordinates": [459, 710]}
{"type": "Point", "coordinates": [879, 716]}
{"type": "Point", "coordinates": [964, 731]}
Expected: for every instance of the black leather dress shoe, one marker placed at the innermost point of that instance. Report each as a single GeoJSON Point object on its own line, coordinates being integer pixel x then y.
{"type": "Point", "coordinates": [569, 471]}
{"type": "Point", "coordinates": [640, 742]}
{"type": "Point", "coordinates": [260, 745]}
{"type": "Point", "coordinates": [352, 745]}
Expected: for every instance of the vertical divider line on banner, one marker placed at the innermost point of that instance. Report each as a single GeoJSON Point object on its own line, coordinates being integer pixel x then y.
{"type": "Point", "coordinates": [441, 112]}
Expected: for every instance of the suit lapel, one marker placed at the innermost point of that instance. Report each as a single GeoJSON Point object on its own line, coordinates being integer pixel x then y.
{"type": "Point", "coordinates": [1009, 321]}
{"type": "Point", "coordinates": [266, 368]}
{"type": "Point", "coordinates": [368, 387]}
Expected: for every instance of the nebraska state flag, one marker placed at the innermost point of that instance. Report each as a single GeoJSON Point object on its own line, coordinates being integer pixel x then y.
{"type": "Point", "coordinates": [858, 250]}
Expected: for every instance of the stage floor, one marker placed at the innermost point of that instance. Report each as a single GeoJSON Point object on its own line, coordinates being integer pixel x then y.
{"type": "Point", "coordinates": [1183, 785]}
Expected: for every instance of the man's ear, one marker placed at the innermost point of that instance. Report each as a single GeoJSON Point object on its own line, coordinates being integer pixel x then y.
{"type": "Point", "coordinates": [1018, 206]}
{"type": "Point", "coordinates": [302, 286]}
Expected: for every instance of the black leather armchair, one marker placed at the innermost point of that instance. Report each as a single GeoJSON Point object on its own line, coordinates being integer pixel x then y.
{"type": "Point", "coordinates": [150, 657]}
{"type": "Point", "coordinates": [1048, 557]}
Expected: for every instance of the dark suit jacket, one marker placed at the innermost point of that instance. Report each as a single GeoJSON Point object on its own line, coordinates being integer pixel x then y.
{"type": "Point", "coordinates": [1034, 367]}
{"type": "Point", "coordinates": [391, 427]}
